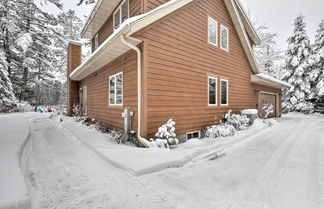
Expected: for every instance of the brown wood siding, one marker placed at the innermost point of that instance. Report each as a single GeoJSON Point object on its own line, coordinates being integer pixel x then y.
{"type": "Point", "coordinates": [179, 60]}
{"type": "Point", "coordinates": [152, 4]}
{"type": "Point", "coordinates": [135, 7]}
{"type": "Point", "coordinates": [97, 86]}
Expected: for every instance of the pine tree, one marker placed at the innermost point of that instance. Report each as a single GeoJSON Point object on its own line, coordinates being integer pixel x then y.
{"type": "Point", "coordinates": [296, 71]}
{"type": "Point", "coordinates": [267, 53]}
{"type": "Point", "coordinates": [86, 2]}
{"type": "Point", "coordinates": [7, 97]}
{"type": "Point", "coordinates": [317, 63]}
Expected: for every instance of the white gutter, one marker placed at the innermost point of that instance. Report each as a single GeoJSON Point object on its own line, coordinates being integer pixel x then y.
{"type": "Point", "coordinates": [139, 90]}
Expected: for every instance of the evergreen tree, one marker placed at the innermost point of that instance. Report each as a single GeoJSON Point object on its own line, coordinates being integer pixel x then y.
{"type": "Point", "coordinates": [317, 63]}
{"type": "Point", "coordinates": [267, 53]}
{"type": "Point", "coordinates": [7, 97]}
{"type": "Point", "coordinates": [86, 2]}
{"type": "Point", "coordinates": [296, 71]}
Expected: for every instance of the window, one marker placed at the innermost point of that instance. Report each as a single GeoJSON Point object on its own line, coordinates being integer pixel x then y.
{"type": "Point", "coordinates": [116, 89]}
{"type": "Point", "coordinates": [121, 14]}
{"type": "Point", "coordinates": [224, 92]}
{"type": "Point", "coordinates": [224, 38]}
{"type": "Point", "coordinates": [96, 42]}
{"type": "Point", "coordinates": [212, 31]}
{"type": "Point", "coordinates": [193, 135]}
{"type": "Point", "coordinates": [212, 91]}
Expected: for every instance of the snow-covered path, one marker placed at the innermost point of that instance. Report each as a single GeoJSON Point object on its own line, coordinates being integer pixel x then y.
{"type": "Point", "coordinates": [63, 173]}
{"type": "Point", "coordinates": [282, 168]}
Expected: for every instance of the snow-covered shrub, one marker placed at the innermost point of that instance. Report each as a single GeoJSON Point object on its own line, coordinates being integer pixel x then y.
{"type": "Point", "coordinates": [239, 122]}
{"type": "Point", "coordinates": [222, 130]}
{"type": "Point", "coordinates": [76, 110]}
{"type": "Point", "coordinates": [166, 135]}
{"type": "Point", "coordinates": [24, 107]}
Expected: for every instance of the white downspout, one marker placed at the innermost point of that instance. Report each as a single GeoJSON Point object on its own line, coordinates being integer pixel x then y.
{"type": "Point", "coordinates": [143, 141]}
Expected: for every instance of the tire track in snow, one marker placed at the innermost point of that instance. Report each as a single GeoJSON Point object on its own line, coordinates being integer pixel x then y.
{"type": "Point", "coordinates": [265, 180]}
{"type": "Point", "coordinates": [60, 175]}
{"type": "Point", "coordinates": [314, 192]}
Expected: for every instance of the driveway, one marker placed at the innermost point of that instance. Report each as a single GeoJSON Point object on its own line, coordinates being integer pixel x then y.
{"type": "Point", "coordinates": [283, 169]}
{"type": "Point", "coordinates": [280, 167]}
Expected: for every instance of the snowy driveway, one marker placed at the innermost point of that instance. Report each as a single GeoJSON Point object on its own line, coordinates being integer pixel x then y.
{"type": "Point", "coordinates": [280, 168]}
{"type": "Point", "coordinates": [283, 169]}
{"type": "Point", "coordinates": [63, 173]}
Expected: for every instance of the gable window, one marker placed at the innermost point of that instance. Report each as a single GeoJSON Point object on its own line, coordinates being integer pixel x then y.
{"type": "Point", "coordinates": [116, 89]}
{"type": "Point", "coordinates": [96, 42]}
{"type": "Point", "coordinates": [212, 91]}
{"type": "Point", "coordinates": [224, 92]}
{"type": "Point", "coordinates": [224, 38]}
{"type": "Point", "coordinates": [212, 31]}
{"type": "Point", "coordinates": [121, 14]}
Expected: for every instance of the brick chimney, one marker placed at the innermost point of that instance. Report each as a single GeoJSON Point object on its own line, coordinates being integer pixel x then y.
{"type": "Point", "coordinates": [74, 55]}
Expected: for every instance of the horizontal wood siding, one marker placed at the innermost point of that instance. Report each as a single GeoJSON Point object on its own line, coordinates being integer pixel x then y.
{"type": "Point", "coordinates": [107, 29]}
{"type": "Point", "coordinates": [179, 60]}
{"type": "Point", "coordinates": [152, 4]}
{"type": "Point", "coordinates": [97, 86]}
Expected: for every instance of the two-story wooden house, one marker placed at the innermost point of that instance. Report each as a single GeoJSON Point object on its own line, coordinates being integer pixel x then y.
{"type": "Point", "coordinates": [189, 60]}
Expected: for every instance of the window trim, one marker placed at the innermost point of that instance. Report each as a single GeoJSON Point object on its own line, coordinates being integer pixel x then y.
{"type": "Point", "coordinates": [216, 91]}
{"type": "Point", "coordinates": [119, 8]}
{"type": "Point", "coordinates": [96, 41]}
{"type": "Point", "coordinates": [193, 132]}
{"type": "Point", "coordinates": [227, 92]}
{"type": "Point", "coordinates": [208, 34]}
{"type": "Point", "coordinates": [227, 38]}
{"type": "Point", "coordinates": [122, 90]}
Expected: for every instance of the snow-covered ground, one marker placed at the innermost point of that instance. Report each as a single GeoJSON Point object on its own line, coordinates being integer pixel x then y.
{"type": "Point", "coordinates": [14, 131]}
{"type": "Point", "coordinates": [69, 166]}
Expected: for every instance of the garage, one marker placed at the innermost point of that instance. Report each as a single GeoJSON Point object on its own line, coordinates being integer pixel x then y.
{"type": "Point", "coordinates": [265, 98]}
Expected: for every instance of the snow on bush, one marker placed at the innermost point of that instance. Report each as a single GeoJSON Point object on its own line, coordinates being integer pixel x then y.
{"type": "Point", "coordinates": [240, 122]}
{"type": "Point", "coordinates": [222, 130]}
{"type": "Point", "coordinates": [233, 124]}
{"type": "Point", "coordinates": [24, 107]}
{"type": "Point", "coordinates": [166, 135]}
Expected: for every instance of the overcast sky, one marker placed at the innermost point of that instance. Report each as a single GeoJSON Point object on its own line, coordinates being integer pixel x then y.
{"type": "Point", "coordinates": [278, 15]}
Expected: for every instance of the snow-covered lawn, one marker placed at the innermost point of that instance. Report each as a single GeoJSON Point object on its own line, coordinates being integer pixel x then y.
{"type": "Point", "coordinates": [67, 165]}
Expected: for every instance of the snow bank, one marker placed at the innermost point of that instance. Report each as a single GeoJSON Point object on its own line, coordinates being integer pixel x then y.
{"type": "Point", "coordinates": [140, 161]}
{"type": "Point", "coordinates": [14, 132]}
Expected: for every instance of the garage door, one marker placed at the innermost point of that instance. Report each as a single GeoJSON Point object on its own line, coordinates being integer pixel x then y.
{"type": "Point", "coordinates": [268, 98]}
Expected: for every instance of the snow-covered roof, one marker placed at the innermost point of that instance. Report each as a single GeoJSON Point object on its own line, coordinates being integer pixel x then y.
{"type": "Point", "coordinates": [113, 47]}
{"type": "Point", "coordinates": [268, 80]}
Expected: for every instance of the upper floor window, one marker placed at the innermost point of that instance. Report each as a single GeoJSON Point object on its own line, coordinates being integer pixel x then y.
{"type": "Point", "coordinates": [121, 14]}
{"type": "Point", "coordinates": [212, 91]}
{"type": "Point", "coordinates": [224, 38]}
{"type": "Point", "coordinates": [224, 92]}
{"type": "Point", "coordinates": [116, 89]}
{"type": "Point", "coordinates": [212, 31]}
{"type": "Point", "coordinates": [96, 42]}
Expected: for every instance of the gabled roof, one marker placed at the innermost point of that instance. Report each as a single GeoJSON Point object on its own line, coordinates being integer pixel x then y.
{"type": "Point", "coordinates": [113, 46]}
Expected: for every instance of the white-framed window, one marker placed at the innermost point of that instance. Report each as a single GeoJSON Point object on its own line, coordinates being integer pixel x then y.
{"type": "Point", "coordinates": [96, 42]}
{"type": "Point", "coordinates": [121, 14]}
{"type": "Point", "coordinates": [212, 91]}
{"type": "Point", "coordinates": [116, 89]}
{"type": "Point", "coordinates": [223, 92]}
{"type": "Point", "coordinates": [212, 31]}
{"type": "Point", "coordinates": [224, 40]}
{"type": "Point", "coordinates": [193, 135]}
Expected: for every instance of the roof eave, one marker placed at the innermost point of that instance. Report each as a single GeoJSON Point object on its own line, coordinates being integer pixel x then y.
{"type": "Point", "coordinates": [268, 82]}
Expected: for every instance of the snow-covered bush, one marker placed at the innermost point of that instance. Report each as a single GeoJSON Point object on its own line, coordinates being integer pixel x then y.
{"type": "Point", "coordinates": [76, 110]}
{"type": "Point", "coordinates": [166, 135]}
{"type": "Point", "coordinates": [233, 123]}
{"type": "Point", "coordinates": [24, 107]}
{"type": "Point", "coordinates": [239, 122]}
{"type": "Point", "coordinates": [222, 130]}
